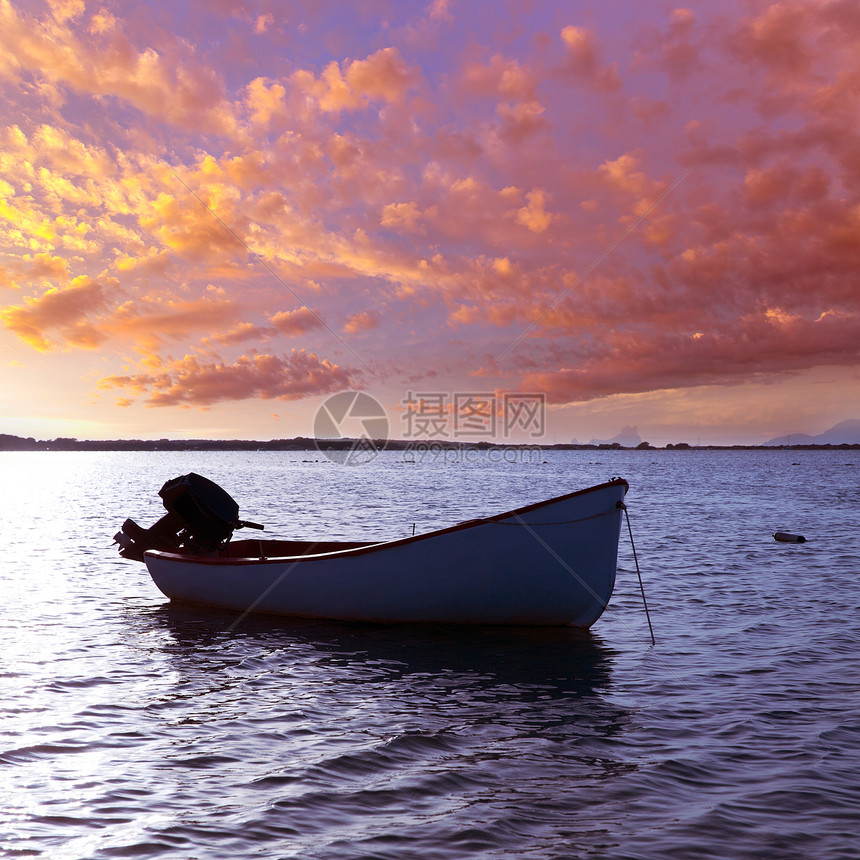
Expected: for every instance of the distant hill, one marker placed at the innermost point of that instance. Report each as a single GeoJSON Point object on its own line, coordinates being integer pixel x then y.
{"type": "Point", "coordinates": [843, 433]}
{"type": "Point", "coordinates": [628, 438]}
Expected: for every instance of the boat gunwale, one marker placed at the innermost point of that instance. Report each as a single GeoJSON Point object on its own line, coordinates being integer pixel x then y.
{"type": "Point", "coordinates": [237, 561]}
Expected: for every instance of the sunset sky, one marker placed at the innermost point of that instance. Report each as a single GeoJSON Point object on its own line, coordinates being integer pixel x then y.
{"type": "Point", "coordinates": [214, 215]}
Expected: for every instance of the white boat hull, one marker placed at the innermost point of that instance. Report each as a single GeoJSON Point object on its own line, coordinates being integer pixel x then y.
{"type": "Point", "coordinates": [552, 563]}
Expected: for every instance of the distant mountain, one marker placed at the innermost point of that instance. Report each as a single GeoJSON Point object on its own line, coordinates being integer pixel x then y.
{"type": "Point", "coordinates": [628, 437]}
{"type": "Point", "coordinates": [843, 433]}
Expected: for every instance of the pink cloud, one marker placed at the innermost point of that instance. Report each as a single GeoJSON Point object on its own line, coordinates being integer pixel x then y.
{"type": "Point", "coordinates": [401, 215]}
{"type": "Point", "coordinates": [680, 50]}
{"type": "Point", "coordinates": [584, 61]}
{"type": "Point", "coordinates": [521, 120]}
{"type": "Point", "coordinates": [242, 333]}
{"type": "Point", "coordinates": [502, 77]}
{"type": "Point", "coordinates": [297, 322]}
{"type": "Point", "coordinates": [767, 343]}
{"type": "Point", "coordinates": [191, 381]}
{"type": "Point", "coordinates": [777, 38]}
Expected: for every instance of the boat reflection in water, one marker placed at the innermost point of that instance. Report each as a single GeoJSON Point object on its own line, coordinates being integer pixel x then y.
{"type": "Point", "coordinates": [325, 738]}
{"type": "Point", "coordinates": [549, 662]}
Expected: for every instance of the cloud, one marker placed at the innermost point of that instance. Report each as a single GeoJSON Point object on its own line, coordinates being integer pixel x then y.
{"type": "Point", "coordinates": [241, 333]}
{"type": "Point", "coordinates": [263, 22]}
{"type": "Point", "coordinates": [584, 61]}
{"type": "Point", "coordinates": [63, 10]}
{"type": "Point", "coordinates": [502, 77]}
{"type": "Point", "coordinates": [191, 230]}
{"type": "Point", "coordinates": [61, 314]}
{"type": "Point", "coordinates": [36, 267]}
{"type": "Point", "coordinates": [534, 215]}
{"type": "Point", "coordinates": [170, 84]}
{"type": "Point", "coordinates": [439, 10]}
{"type": "Point", "coordinates": [361, 322]}
{"type": "Point", "coordinates": [102, 22]}
{"type": "Point", "coordinates": [468, 186]}
{"type": "Point", "coordinates": [776, 38]}
{"type": "Point", "coordinates": [151, 321]}
{"type": "Point", "coordinates": [297, 322]}
{"type": "Point", "coordinates": [405, 216]}
{"type": "Point", "coordinates": [382, 77]}
{"type": "Point", "coordinates": [521, 120]}
{"type": "Point", "coordinates": [68, 154]}
{"type": "Point", "coordinates": [191, 381]}
{"type": "Point", "coordinates": [758, 345]}
{"type": "Point", "coordinates": [676, 46]}
{"type": "Point", "coordinates": [265, 100]}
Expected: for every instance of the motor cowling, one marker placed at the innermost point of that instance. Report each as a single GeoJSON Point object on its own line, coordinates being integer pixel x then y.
{"type": "Point", "coordinates": [200, 517]}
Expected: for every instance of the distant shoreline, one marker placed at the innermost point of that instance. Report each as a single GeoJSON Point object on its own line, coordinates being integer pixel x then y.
{"type": "Point", "coordinates": [302, 443]}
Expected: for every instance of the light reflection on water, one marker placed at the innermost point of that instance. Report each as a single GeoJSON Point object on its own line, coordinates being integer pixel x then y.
{"type": "Point", "coordinates": [130, 727]}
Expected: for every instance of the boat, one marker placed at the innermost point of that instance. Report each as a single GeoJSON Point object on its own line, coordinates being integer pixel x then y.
{"type": "Point", "coordinates": [545, 564]}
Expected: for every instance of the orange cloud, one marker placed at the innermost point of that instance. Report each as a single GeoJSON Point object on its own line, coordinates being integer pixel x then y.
{"type": "Point", "coordinates": [190, 229]}
{"type": "Point", "coordinates": [360, 322]}
{"type": "Point", "coordinates": [151, 321]}
{"type": "Point", "coordinates": [383, 76]}
{"type": "Point", "coordinates": [66, 153]}
{"type": "Point", "coordinates": [192, 382]}
{"type": "Point", "coordinates": [534, 215]}
{"type": "Point", "coordinates": [61, 313]}
{"type": "Point", "coordinates": [169, 84]}
{"type": "Point", "coordinates": [36, 267]}
{"type": "Point", "coordinates": [265, 100]}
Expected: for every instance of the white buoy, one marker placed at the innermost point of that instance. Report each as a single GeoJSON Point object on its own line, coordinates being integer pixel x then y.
{"type": "Point", "coordinates": [787, 537]}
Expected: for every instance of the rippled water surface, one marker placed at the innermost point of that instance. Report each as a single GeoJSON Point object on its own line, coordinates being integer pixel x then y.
{"type": "Point", "coordinates": [133, 728]}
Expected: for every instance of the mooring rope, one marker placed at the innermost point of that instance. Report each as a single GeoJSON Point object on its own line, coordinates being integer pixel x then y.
{"type": "Point", "coordinates": [635, 559]}
{"type": "Point", "coordinates": [619, 506]}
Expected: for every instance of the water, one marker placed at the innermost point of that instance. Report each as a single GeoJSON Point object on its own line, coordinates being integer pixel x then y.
{"type": "Point", "coordinates": [130, 728]}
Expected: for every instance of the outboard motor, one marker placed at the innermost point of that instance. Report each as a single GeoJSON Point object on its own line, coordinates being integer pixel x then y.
{"type": "Point", "coordinates": [200, 517]}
